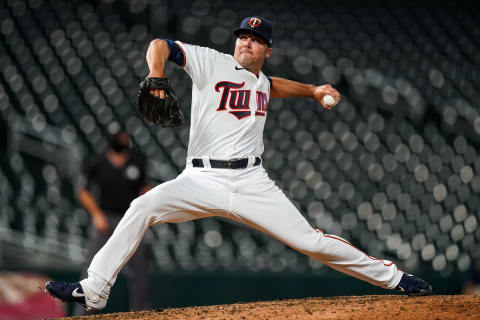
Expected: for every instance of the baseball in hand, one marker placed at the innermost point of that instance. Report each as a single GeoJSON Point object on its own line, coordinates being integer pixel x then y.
{"type": "Point", "coordinates": [329, 101]}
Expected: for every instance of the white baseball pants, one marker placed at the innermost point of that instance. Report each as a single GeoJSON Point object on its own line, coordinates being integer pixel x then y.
{"type": "Point", "coordinates": [245, 195]}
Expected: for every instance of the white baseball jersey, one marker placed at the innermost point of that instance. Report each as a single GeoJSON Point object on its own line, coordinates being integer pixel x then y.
{"type": "Point", "coordinates": [229, 105]}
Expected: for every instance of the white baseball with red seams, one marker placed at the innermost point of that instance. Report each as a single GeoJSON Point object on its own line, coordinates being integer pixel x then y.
{"type": "Point", "coordinates": [228, 114]}
{"type": "Point", "coordinates": [329, 101]}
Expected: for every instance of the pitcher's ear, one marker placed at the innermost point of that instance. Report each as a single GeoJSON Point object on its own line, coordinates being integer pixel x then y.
{"type": "Point", "coordinates": [269, 51]}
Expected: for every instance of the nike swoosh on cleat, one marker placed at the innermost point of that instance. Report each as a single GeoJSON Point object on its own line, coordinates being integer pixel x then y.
{"type": "Point", "coordinates": [76, 294]}
{"type": "Point", "coordinates": [238, 68]}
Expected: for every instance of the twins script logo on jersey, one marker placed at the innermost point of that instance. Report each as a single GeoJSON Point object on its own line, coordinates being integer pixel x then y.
{"type": "Point", "coordinates": [239, 102]}
{"type": "Point", "coordinates": [254, 22]}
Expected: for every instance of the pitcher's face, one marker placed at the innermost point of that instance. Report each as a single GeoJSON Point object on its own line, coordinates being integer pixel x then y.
{"type": "Point", "coordinates": [251, 50]}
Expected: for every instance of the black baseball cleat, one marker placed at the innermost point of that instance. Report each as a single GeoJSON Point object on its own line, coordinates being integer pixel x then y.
{"type": "Point", "coordinates": [414, 286]}
{"type": "Point", "coordinates": [66, 291]}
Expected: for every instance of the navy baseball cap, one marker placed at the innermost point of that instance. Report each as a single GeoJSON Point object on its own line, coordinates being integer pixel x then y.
{"type": "Point", "coordinates": [259, 26]}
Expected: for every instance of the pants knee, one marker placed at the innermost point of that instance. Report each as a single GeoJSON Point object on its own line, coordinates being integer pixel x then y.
{"type": "Point", "coordinates": [308, 248]}
{"type": "Point", "coordinates": [311, 245]}
{"type": "Point", "coordinates": [306, 245]}
{"type": "Point", "coordinates": [140, 207]}
{"type": "Point", "coordinates": [151, 204]}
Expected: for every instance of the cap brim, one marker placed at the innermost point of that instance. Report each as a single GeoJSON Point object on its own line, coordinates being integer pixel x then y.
{"type": "Point", "coordinates": [239, 31]}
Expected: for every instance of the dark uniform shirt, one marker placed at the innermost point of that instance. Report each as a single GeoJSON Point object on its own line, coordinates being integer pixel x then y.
{"type": "Point", "coordinates": [113, 187]}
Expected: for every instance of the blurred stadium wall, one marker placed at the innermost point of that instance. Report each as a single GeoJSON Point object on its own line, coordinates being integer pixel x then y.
{"type": "Point", "coordinates": [394, 169]}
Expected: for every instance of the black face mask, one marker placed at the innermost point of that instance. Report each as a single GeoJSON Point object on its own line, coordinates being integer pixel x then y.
{"type": "Point", "coordinates": [119, 147]}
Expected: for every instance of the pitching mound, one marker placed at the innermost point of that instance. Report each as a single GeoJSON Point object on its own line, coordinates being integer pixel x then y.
{"type": "Point", "coordinates": [362, 307]}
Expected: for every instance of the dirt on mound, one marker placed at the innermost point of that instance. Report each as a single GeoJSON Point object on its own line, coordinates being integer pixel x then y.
{"type": "Point", "coordinates": [351, 307]}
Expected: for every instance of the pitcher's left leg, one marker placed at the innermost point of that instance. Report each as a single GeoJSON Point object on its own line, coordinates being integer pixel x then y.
{"type": "Point", "coordinates": [263, 206]}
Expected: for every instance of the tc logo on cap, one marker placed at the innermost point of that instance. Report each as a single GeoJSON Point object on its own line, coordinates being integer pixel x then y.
{"type": "Point", "coordinates": [254, 22]}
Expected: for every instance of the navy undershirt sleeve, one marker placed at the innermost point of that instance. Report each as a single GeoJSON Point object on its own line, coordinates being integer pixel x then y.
{"type": "Point", "coordinates": [270, 79]}
{"type": "Point", "coordinates": [176, 54]}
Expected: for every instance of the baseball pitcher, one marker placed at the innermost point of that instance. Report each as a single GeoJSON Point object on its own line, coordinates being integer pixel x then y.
{"type": "Point", "coordinates": [224, 175]}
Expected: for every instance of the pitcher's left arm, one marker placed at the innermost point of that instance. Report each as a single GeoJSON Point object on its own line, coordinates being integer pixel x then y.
{"type": "Point", "coordinates": [284, 88]}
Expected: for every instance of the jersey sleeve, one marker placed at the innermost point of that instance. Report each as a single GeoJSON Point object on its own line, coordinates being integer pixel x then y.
{"type": "Point", "coordinates": [90, 173]}
{"type": "Point", "coordinates": [200, 62]}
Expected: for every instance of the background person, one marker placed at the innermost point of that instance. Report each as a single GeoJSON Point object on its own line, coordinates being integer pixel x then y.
{"type": "Point", "coordinates": [114, 180]}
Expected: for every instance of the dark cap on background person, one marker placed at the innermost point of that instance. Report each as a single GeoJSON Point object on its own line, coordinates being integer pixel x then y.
{"type": "Point", "coordinates": [120, 141]}
{"type": "Point", "coordinates": [257, 25]}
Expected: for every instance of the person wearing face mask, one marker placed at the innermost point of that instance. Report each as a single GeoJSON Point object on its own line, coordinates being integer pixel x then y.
{"type": "Point", "coordinates": [113, 180]}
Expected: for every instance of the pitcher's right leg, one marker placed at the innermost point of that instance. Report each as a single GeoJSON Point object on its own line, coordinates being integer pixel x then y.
{"type": "Point", "coordinates": [192, 195]}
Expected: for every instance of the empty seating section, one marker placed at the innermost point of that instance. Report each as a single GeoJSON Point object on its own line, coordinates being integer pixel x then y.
{"type": "Point", "coordinates": [394, 168]}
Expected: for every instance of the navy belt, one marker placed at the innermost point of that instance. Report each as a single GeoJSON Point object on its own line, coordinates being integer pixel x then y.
{"type": "Point", "coordinates": [226, 164]}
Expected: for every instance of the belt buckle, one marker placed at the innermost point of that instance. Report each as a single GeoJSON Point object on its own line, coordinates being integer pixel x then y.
{"type": "Point", "coordinates": [229, 164]}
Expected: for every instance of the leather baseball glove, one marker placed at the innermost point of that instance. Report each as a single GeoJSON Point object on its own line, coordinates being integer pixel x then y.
{"type": "Point", "coordinates": [163, 112]}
